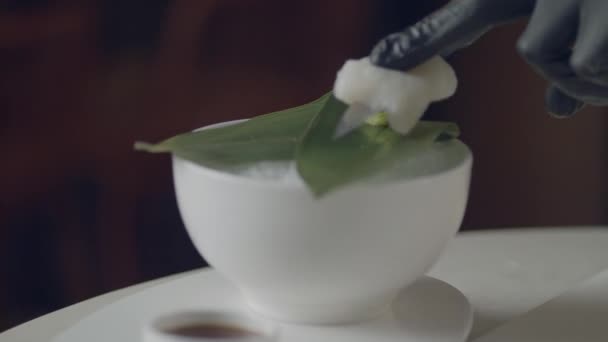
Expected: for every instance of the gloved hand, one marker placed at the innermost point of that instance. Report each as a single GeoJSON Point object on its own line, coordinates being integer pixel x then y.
{"type": "Point", "coordinates": [566, 41]}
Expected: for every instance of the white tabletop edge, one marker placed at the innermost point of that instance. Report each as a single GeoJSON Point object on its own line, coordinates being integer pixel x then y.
{"type": "Point", "coordinates": [47, 326]}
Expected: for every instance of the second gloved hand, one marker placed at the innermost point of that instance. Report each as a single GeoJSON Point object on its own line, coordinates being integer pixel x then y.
{"type": "Point", "coordinates": [566, 41]}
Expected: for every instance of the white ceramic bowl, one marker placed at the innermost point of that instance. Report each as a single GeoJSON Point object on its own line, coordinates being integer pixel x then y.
{"type": "Point", "coordinates": [339, 259]}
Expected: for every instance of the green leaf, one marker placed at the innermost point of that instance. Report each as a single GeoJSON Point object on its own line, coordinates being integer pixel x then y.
{"type": "Point", "coordinates": [327, 164]}
{"type": "Point", "coordinates": [306, 134]}
{"type": "Point", "coordinates": [267, 137]}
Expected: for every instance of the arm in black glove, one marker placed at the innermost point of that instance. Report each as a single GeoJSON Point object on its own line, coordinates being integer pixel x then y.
{"type": "Point", "coordinates": [566, 41]}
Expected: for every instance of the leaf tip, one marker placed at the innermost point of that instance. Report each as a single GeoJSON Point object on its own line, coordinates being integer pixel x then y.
{"type": "Point", "coordinates": [148, 147]}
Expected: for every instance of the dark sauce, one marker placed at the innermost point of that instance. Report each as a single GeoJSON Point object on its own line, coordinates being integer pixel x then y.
{"type": "Point", "coordinates": [209, 330]}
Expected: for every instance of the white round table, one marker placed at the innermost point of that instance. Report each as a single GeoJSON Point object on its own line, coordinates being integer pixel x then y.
{"type": "Point", "coordinates": [504, 273]}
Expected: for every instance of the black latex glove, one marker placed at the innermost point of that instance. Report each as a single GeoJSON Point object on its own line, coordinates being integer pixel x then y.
{"type": "Point", "coordinates": [566, 41]}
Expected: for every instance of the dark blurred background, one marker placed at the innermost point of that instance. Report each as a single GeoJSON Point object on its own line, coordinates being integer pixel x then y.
{"type": "Point", "coordinates": [80, 80]}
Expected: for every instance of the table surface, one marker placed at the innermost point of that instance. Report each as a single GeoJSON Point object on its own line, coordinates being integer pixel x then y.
{"type": "Point", "coordinates": [503, 272]}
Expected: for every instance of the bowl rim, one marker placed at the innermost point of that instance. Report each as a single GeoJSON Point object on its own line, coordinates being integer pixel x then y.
{"type": "Point", "coordinates": [237, 179]}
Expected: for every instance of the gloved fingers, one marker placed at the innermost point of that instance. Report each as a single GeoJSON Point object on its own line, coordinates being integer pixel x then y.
{"type": "Point", "coordinates": [590, 57]}
{"type": "Point", "coordinates": [432, 35]}
{"type": "Point", "coordinates": [546, 45]}
{"type": "Point", "coordinates": [582, 90]}
{"type": "Point", "coordinates": [425, 39]}
{"type": "Point", "coordinates": [453, 26]}
{"type": "Point", "coordinates": [461, 43]}
{"type": "Point", "coordinates": [560, 104]}
{"type": "Point", "coordinates": [560, 74]}
{"type": "Point", "coordinates": [546, 42]}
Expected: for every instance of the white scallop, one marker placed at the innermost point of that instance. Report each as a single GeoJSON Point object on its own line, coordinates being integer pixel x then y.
{"type": "Point", "coordinates": [405, 96]}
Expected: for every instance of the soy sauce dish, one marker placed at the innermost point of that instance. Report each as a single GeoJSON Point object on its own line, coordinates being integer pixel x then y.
{"type": "Point", "coordinates": [208, 326]}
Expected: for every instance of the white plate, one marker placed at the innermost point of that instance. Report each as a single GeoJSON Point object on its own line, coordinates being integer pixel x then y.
{"type": "Point", "coordinates": [429, 310]}
{"type": "Point", "coordinates": [579, 314]}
